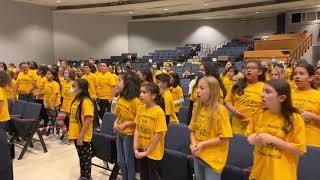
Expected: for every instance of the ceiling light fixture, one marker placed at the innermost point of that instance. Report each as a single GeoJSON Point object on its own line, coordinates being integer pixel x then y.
{"type": "Point", "coordinates": [257, 12]}
{"type": "Point", "coordinates": [166, 9]}
{"type": "Point", "coordinates": [205, 4]}
{"type": "Point", "coordinates": [58, 1]}
{"type": "Point", "coordinates": [130, 12]}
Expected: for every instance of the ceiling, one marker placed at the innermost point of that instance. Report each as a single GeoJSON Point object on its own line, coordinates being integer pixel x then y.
{"type": "Point", "coordinates": [164, 10]}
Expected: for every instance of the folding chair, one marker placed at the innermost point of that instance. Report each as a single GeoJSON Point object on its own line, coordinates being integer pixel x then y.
{"type": "Point", "coordinates": [183, 115]}
{"type": "Point", "coordinates": [308, 168]}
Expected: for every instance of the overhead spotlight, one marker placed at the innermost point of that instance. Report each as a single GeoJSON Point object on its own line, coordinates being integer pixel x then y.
{"type": "Point", "coordinates": [205, 4]}
{"type": "Point", "coordinates": [130, 12]}
{"type": "Point", "coordinates": [257, 12]}
{"type": "Point", "coordinates": [58, 1]}
{"type": "Point", "coordinates": [166, 9]}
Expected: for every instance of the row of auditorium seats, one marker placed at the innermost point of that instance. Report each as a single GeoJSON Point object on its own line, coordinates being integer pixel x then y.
{"type": "Point", "coordinates": [177, 162]}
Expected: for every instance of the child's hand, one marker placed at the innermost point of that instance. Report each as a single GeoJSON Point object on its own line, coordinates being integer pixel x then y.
{"type": "Point", "coordinates": [198, 149]}
{"type": "Point", "coordinates": [265, 138]}
{"type": "Point", "coordinates": [115, 127]}
{"type": "Point", "coordinates": [80, 141]}
{"type": "Point", "coordinates": [192, 147]}
{"type": "Point", "coordinates": [253, 139]}
{"type": "Point", "coordinates": [238, 114]}
{"type": "Point", "coordinates": [143, 154]}
{"type": "Point", "coordinates": [121, 127]}
{"type": "Point", "coordinates": [307, 116]}
{"type": "Point", "coordinates": [137, 154]}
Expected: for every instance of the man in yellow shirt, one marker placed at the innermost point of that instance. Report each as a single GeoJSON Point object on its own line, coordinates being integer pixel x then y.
{"type": "Point", "coordinates": [26, 82]}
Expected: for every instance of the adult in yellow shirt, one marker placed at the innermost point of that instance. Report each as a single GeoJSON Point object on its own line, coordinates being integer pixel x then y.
{"type": "Point", "coordinates": [106, 84]}
{"type": "Point", "coordinates": [4, 110]}
{"type": "Point", "coordinates": [91, 78]}
{"type": "Point", "coordinates": [210, 131]}
{"type": "Point", "coordinates": [68, 97]}
{"type": "Point", "coordinates": [244, 99]}
{"type": "Point", "coordinates": [307, 99]}
{"type": "Point", "coordinates": [278, 133]}
{"type": "Point", "coordinates": [81, 125]}
{"type": "Point", "coordinates": [26, 82]}
{"type": "Point", "coordinates": [163, 81]}
{"type": "Point", "coordinates": [176, 91]}
{"type": "Point", "coordinates": [150, 132]}
{"type": "Point", "coordinates": [126, 110]}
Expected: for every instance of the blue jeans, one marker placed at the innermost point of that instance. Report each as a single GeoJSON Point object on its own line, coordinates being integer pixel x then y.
{"type": "Point", "coordinates": [28, 98]}
{"type": "Point", "coordinates": [125, 156]}
{"type": "Point", "coordinates": [203, 171]}
{"type": "Point", "coordinates": [3, 125]}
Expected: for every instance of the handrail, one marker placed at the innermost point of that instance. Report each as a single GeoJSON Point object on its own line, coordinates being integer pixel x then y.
{"type": "Point", "coordinates": [219, 45]}
{"type": "Point", "coordinates": [298, 51]}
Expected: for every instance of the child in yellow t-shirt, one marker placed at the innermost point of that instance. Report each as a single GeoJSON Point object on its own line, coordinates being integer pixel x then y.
{"type": "Point", "coordinates": [163, 81]}
{"type": "Point", "coordinates": [176, 91]}
{"type": "Point", "coordinates": [278, 133]}
{"type": "Point", "coordinates": [317, 77]}
{"type": "Point", "coordinates": [126, 110]}
{"type": "Point", "coordinates": [68, 97]}
{"type": "Point", "coordinates": [306, 98]}
{"type": "Point", "coordinates": [4, 109]}
{"type": "Point", "coordinates": [244, 98]}
{"type": "Point", "coordinates": [228, 80]}
{"type": "Point", "coordinates": [11, 90]}
{"type": "Point", "coordinates": [81, 125]}
{"type": "Point", "coordinates": [210, 131]}
{"type": "Point", "coordinates": [150, 132]}
{"type": "Point", "coordinates": [51, 94]}
{"type": "Point", "coordinates": [26, 82]}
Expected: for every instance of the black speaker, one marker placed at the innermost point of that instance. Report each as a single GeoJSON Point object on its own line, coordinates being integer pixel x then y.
{"type": "Point", "coordinates": [281, 23]}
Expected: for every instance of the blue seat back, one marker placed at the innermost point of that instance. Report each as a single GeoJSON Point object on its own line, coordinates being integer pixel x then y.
{"type": "Point", "coordinates": [32, 111]}
{"type": "Point", "coordinates": [107, 123]}
{"type": "Point", "coordinates": [183, 114]}
{"type": "Point", "coordinates": [308, 168]}
{"type": "Point", "coordinates": [18, 107]}
{"type": "Point", "coordinates": [178, 138]}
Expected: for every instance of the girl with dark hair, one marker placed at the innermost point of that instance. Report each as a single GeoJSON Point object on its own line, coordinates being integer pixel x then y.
{"type": "Point", "coordinates": [68, 97]}
{"type": "Point", "coordinates": [145, 76]}
{"type": "Point", "coordinates": [317, 77]}
{"type": "Point", "coordinates": [212, 69]}
{"type": "Point", "coordinates": [268, 68]}
{"type": "Point", "coordinates": [163, 81]}
{"type": "Point", "coordinates": [306, 98]}
{"type": "Point", "coordinates": [228, 80]}
{"type": "Point", "coordinates": [150, 132]}
{"type": "Point", "coordinates": [278, 133]}
{"type": "Point", "coordinates": [81, 125]}
{"type": "Point", "coordinates": [52, 97]}
{"type": "Point", "coordinates": [228, 65]}
{"type": "Point", "coordinates": [244, 98]}
{"type": "Point", "coordinates": [126, 110]}
{"type": "Point", "coordinates": [3, 66]}
{"type": "Point", "coordinates": [176, 91]}
{"type": "Point", "coordinates": [11, 89]}
{"type": "Point", "coordinates": [12, 67]}
{"type": "Point", "coordinates": [4, 109]}
{"type": "Point", "coordinates": [210, 131]}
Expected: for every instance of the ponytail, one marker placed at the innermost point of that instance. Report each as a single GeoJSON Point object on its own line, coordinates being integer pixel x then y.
{"type": "Point", "coordinates": [154, 89]}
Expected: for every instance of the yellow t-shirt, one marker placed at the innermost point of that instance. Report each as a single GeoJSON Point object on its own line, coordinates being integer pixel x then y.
{"type": "Point", "coordinates": [228, 83]}
{"type": "Point", "coordinates": [4, 111]}
{"type": "Point", "coordinates": [105, 85]}
{"type": "Point", "coordinates": [151, 121]}
{"type": "Point", "coordinates": [62, 80]}
{"type": "Point", "coordinates": [271, 162]}
{"type": "Point", "coordinates": [75, 126]}
{"type": "Point", "coordinates": [205, 129]}
{"type": "Point", "coordinates": [169, 106]}
{"type": "Point", "coordinates": [309, 101]}
{"type": "Point", "coordinates": [116, 77]}
{"type": "Point", "coordinates": [25, 81]}
{"type": "Point", "coordinates": [50, 89]}
{"type": "Point", "coordinates": [40, 87]}
{"type": "Point", "coordinates": [177, 94]}
{"type": "Point", "coordinates": [288, 73]}
{"type": "Point", "coordinates": [126, 111]}
{"type": "Point", "coordinates": [92, 80]}
{"type": "Point", "coordinates": [10, 90]}
{"type": "Point", "coordinates": [247, 104]}
{"type": "Point", "coordinates": [67, 95]}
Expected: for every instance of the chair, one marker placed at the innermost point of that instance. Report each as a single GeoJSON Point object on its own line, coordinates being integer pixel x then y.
{"type": "Point", "coordinates": [26, 126]}
{"type": "Point", "coordinates": [6, 172]}
{"type": "Point", "coordinates": [183, 114]}
{"type": "Point", "coordinates": [17, 108]}
{"type": "Point", "coordinates": [177, 162]}
{"type": "Point", "coordinates": [308, 168]}
{"type": "Point", "coordinates": [104, 144]}
{"type": "Point", "coordinates": [240, 157]}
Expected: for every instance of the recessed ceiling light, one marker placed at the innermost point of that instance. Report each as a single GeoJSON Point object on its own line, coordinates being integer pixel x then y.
{"type": "Point", "coordinates": [58, 1]}
{"type": "Point", "coordinates": [257, 12]}
{"type": "Point", "coordinates": [205, 4]}
{"type": "Point", "coordinates": [130, 12]}
{"type": "Point", "coordinates": [165, 9]}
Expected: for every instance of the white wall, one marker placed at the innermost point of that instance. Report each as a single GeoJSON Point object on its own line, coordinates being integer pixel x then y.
{"type": "Point", "coordinates": [25, 33]}
{"type": "Point", "coordinates": [82, 36]}
{"type": "Point", "coordinates": [145, 37]}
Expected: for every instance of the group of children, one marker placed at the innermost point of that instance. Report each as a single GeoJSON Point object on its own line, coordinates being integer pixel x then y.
{"type": "Point", "coordinates": [278, 110]}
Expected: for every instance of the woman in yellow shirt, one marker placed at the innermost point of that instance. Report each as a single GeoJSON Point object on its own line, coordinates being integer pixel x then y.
{"type": "Point", "coordinates": [26, 82]}
{"type": "Point", "coordinates": [176, 91]}
{"type": "Point", "coordinates": [51, 97]}
{"type": "Point", "coordinates": [81, 125]}
{"type": "Point", "coordinates": [210, 131]}
{"type": "Point", "coordinates": [163, 81]}
{"type": "Point", "coordinates": [150, 132]}
{"type": "Point", "coordinates": [4, 110]}
{"type": "Point", "coordinates": [68, 97]}
{"type": "Point", "coordinates": [244, 99]}
{"type": "Point", "coordinates": [278, 134]}
{"type": "Point", "coordinates": [307, 99]}
{"type": "Point", "coordinates": [126, 110]}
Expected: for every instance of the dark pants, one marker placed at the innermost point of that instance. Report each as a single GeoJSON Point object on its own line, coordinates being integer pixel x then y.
{"type": "Point", "coordinates": [190, 113]}
{"type": "Point", "coordinates": [85, 156]}
{"type": "Point", "coordinates": [25, 97]}
{"type": "Point", "coordinates": [43, 112]}
{"type": "Point", "coordinates": [3, 125]}
{"type": "Point", "coordinates": [149, 169]}
{"type": "Point", "coordinates": [104, 106]}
